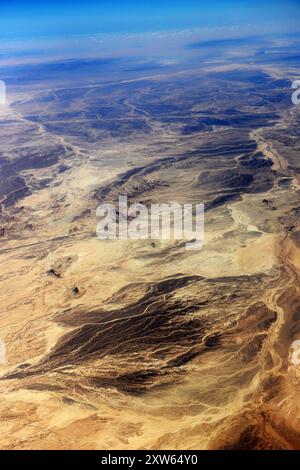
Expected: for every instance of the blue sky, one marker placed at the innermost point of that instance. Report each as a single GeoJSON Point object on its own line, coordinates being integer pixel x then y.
{"type": "Point", "coordinates": [53, 18]}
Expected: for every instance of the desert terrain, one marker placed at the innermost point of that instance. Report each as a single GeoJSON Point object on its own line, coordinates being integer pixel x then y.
{"type": "Point", "coordinates": [142, 344]}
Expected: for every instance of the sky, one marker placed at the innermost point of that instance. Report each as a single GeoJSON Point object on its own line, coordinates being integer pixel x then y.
{"type": "Point", "coordinates": [34, 31]}
{"type": "Point", "coordinates": [33, 18]}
